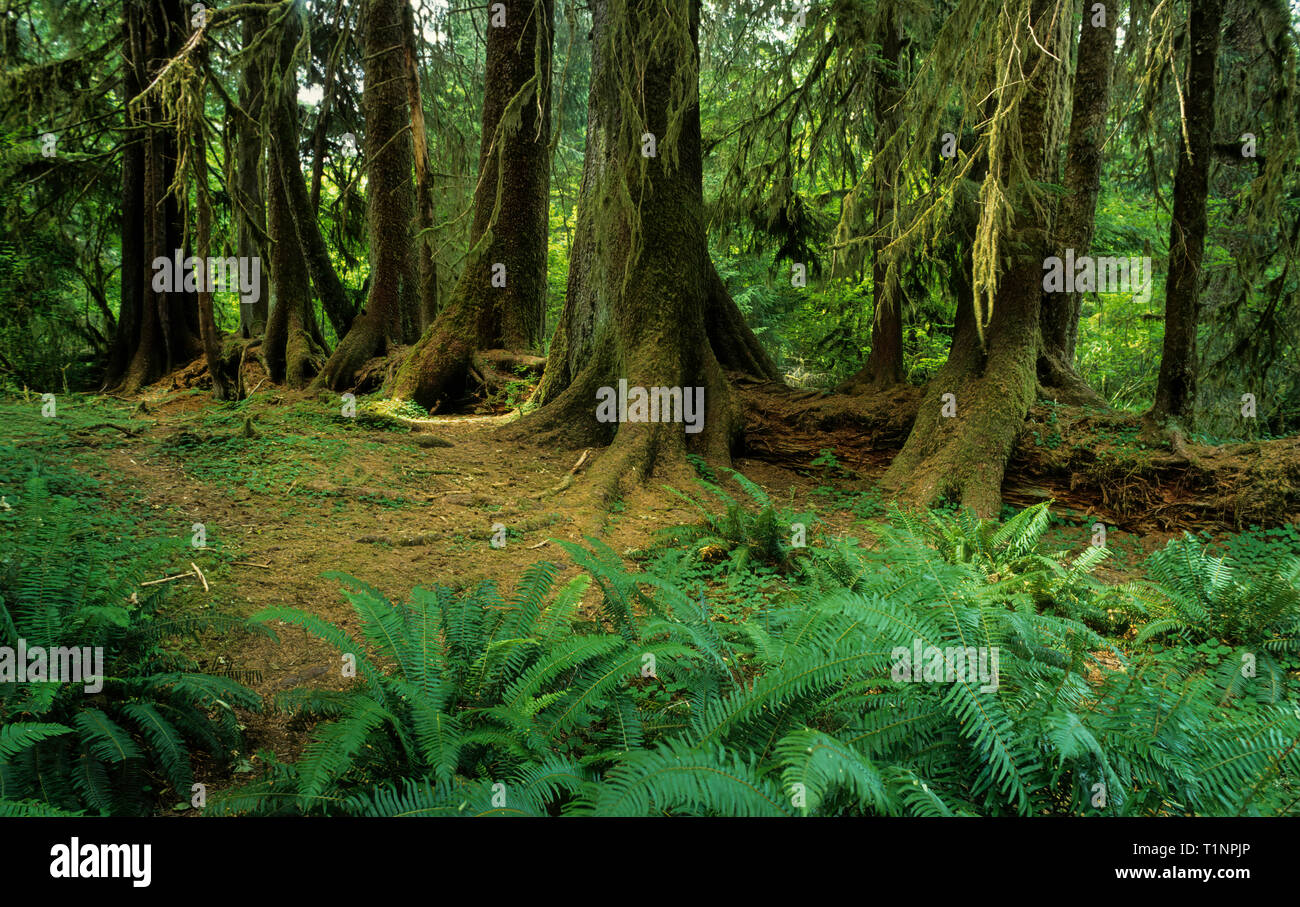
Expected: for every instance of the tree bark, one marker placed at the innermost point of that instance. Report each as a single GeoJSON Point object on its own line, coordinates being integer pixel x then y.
{"type": "Point", "coordinates": [134, 277]}
{"type": "Point", "coordinates": [223, 368]}
{"type": "Point", "coordinates": [422, 245]}
{"type": "Point", "coordinates": [388, 157]}
{"type": "Point", "coordinates": [284, 134]}
{"type": "Point", "coordinates": [884, 365]}
{"type": "Point", "coordinates": [1176, 386]}
{"type": "Point", "coordinates": [583, 324]}
{"type": "Point", "coordinates": [640, 275]}
{"type": "Point", "coordinates": [248, 198]}
{"type": "Point", "coordinates": [165, 333]}
{"type": "Point", "coordinates": [508, 236]}
{"type": "Point", "coordinates": [293, 349]}
{"type": "Point", "coordinates": [962, 453]}
{"type": "Point", "coordinates": [1076, 219]}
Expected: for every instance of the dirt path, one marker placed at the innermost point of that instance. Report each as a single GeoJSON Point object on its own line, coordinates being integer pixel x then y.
{"type": "Point", "coordinates": [313, 492]}
{"type": "Point", "coordinates": [287, 489]}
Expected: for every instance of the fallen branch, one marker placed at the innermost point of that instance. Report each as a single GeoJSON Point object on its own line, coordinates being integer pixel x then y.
{"type": "Point", "coordinates": [202, 578]}
{"type": "Point", "coordinates": [168, 579]}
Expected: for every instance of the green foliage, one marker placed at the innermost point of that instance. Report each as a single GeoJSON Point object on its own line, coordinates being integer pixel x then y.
{"type": "Point", "coordinates": [469, 691]}
{"type": "Point", "coordinates": [475, 703]}
{"type": "Point", "coordinates": [66, 582]}
{"type": "Point", "coordinates": [1009, 555]}
{"type": "Point", "coordinates": [760, 532]}
{"type": "Point", "coordinates": [1196, 598]}
{"type": "Point", "coordinates": [1257, 549]}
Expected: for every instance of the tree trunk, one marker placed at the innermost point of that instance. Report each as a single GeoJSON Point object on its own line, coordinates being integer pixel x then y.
{"type": "Point", "coordinates": [323, 116]}
{"type": "Point", "coordinates": [884, 365]}
{"type": "Point", "coordinates": [422, 245]}
{"type": "Point", "coordinates": [165, 333]}
{"type": "Point", "coordinates": [1076, 219]}
{"type": "Point", "coordinates": [223, 368]}
{"type": "Point", "coordinates": [1176, 387]}
{"type": "Point", "coordinates": [388, 157]}
{"type": "Point", "coordinates": [247, 198]}
{"type": "Point", "coordinates": [734, 344]}
{"type": "Point", "coordinates": [583, 325]}
{"type": "Point", "coordinates": [509, 233]}
{"type": "Point", "coordinates": [639, 279]}
{"type": "Point", "coordinates": [292, 349]}
{"type": "Point", "coordinates": [134, 277]}
{"type": "Point", "coordinates": [284, 131]}
{"type": "Point", "coordinates": [959, 445]}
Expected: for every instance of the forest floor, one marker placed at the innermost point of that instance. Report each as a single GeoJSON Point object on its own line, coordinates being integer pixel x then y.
{"type": "Point", "coordinates": [288, 490]}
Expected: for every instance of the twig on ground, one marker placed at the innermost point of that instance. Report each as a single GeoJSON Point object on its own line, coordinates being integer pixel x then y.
{"type": "Point", "coordinates": [168, 579]}
{"type": "Point", "coordinates": [202, 578]}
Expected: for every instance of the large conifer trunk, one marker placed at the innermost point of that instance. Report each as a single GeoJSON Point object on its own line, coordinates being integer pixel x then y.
{"type": "Point", "coordinates": [1176, 386]}
{"type": "Point", "coordinates": [388, 157]}
{"type": "Point", "coordinates": [134, 270]}
{"type": "Point", "coordinates": [1076, 219]}
{"type": "Point", "coordinates": [284, 135]}
{"type": "Point", "coordinates": [159, 329]}
{"type": "Point", "coordinates": [582, 331]}
{"type": "Point", "coordinates": [248, 198]}
{"type": "Point", "coordinates": [508, 236]}
{"type": "Point", "coordinates": [423, 239]}
{"type": "Point", "coordinates": [884, 365]}
{"type": "Point", "coordinates": [993, 383]}
{"type": "Point", "coordinates": [223, 361]}
{"type": "Point", "coordinates": [644, 302]}
{"type": "Point", "coordinates": [292, 348]}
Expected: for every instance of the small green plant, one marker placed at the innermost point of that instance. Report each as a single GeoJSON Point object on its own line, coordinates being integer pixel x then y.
{"type": "Point", "coordinates": [1010, 556]}
{"type": "Point", "coordinates": [762, 532]}
{"type": "Point", "coordinates": [475, 703]}
{"type": "Point", "coordinates": [1196, 598]}
{"type": "Point", "coordinates": [125, 748]}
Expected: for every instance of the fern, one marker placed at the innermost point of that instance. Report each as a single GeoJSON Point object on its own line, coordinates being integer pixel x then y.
{"type": "Point", "coordinates": [481, 702]}
{"type": "Point", "coordinates": [58, 747]}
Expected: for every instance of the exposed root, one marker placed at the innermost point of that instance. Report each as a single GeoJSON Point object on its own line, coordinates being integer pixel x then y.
{"type": "Point", "coordinates": [567, 481]}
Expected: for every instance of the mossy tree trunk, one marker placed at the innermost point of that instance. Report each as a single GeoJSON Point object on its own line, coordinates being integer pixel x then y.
{"type": "Point", "coordinates": [134, 280]}
{"type": "Point", "coordinates": [284, 135]}
{"type": "Point", "coordinates": [1076, 219]}
{"type": "Point", "coordinates": [292, 349]}
{"type": "Point", "coordinates": [1176, 386]}
{"type": "Point", "coordinates": [508, 236]}
{"type": "Point", "coordinates": [223, 361]}
{"type": "Point", "coordinates": [959, 445]}
{"type": "Point", "coordinates": [644, 302]}
{"type": "Point", "coordinates": [422, 242]}
{"type": "Point", "coordinates": [388, 160]}
{"type": "Point", "coordinates": [884, 365]}
{"type": "Point", "coordinates": [158, 330]}
{"type": "Point", "coordinates": [248, 201]}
